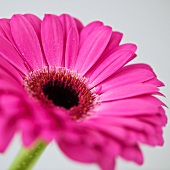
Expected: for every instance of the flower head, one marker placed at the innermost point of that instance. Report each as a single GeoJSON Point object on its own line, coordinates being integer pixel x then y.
{"type": "Point", "coordinates": [62, 81]}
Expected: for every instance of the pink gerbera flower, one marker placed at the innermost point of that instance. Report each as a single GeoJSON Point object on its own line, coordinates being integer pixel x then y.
{"type": "Point", "coordinates": [68, 82]}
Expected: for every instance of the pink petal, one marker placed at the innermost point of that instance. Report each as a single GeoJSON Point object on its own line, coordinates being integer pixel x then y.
{"type": "Point", "coordinates": [133, 135]}
{"type": "Point", "coordinates": [36, 24]}
{"type": "Point", "coordinates": [26, 40]}
{"type": "Point", "coordinates": [128, 91]}
{"type": "Point", "coordinates": [8, 70]}
{"type": "Point", "coordinates": [129, 128]}
{"type": "Point", "coordinates": [47, 134]}
{"type": "Point", "coordinates": [71, 48]}
{"type": "Point", "coordinates": [67, 23]}
{"type": "Point", "coordinates": [28, 130]}
{"type": "Point", "coordinates": [52, 40]}
{"type": "Point", "coordinates": [83, 136]}
{"type": "Point", "coordinates": [88, 155]}
{"type": "Point", "coordinates": [128, 107]}
{"type": "Point", "coordinates": [131, 74]}
{"type": "Point", "coordinates": [113, 43]}
{"type": "Point", "coordinates": [107, 163]}
{"type": "Point", "coordinates": [15, 103]}
{"type": "Point", "coordinates": [7, 130]}
{"type": "Point", "coordinates": [152, 140]}
{"type": "Point", "coordinates": [5, 24]}
{"type": "Point", "coordinates": [88, 30]}
{"type": "Point", "coordinates": [70, 135]}
{"type": "Point", "coordinates": [92, 48]}
{"type": "Point", "coordinates": [28, 139]}
{"type": "Point", "coordinates": [8, 85]}
{"type": "Point", "coordinates": [118, 133]}
{"type": "Point", "coordinates": [110, 65]}
{"type": "Point", "coordinates": [79, 25]}
{"type": "Point", "coordinates": [111, 142]}
{"type": "Point", "coordinates": [154, 119]}
{"type": "Point", "coordinates": [129, 123]}
{"type": "Point", "coordinates": [71, 40]}
{"type": "Point", "coordinates": [2, 33]}
{"type": "Point", "coordinates": [163, 116]}
{"type": "Point", "coordinates": [157, 102]}
{"type": "Point", "coordinates": [155, 82]}
{"type": "Point", "coordinates": [133, 153]}
{"type": "Point", "coordinates": [9, 53]}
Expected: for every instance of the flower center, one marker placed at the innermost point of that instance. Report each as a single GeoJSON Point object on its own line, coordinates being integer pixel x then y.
{"type": "Point", "coordinates": [61, 87]}
{"type": "Point", "coordinates": [61, 94]}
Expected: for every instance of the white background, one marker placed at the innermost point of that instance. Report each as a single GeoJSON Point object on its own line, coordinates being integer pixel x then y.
{"type": "Point", "coordinates": [145, 23]}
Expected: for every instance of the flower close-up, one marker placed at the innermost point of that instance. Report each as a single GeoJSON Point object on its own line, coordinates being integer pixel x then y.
{"type": "Point", "coordinates": [69, 83]}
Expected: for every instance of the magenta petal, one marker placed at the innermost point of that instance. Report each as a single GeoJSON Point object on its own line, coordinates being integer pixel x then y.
{"type": "Point", "coordinates": [8, 85]}
{"type": "Point", "coordinates": [155, 82]}
{"type": "Point", "coordinates": [6, 134]}
{"type": "Point", "coordinates": [71, 48]}
{"type": "Point", "coordinates": [28, 139]}
{"type": "Point", "coordinates": [9, 53]}
{"type": "Point", "coordinates": [107, 163]}
{"type": "Point", "coordinates": [133, 154]}
{"type": "Point", "coordinates": [163, 117]}
{"type": "Point", "coordinates": [5, 24]}
{"type": "Point", "coordinates": [2, 33]}
{"type": "Point", "coordinates": [48, 134]}
{"type": "Point", "coordinates": [92, 48]}
{"type": "Point", "coordinates": [154, 119]}
{"type": "Point", "coordinates": [14, 101]}
{"type": "Point", "coordinates": [52, 40]}
{"type": "Point", "coordinates": [113, 43]}
{"type": "Point", "coordinates": [88, 155]}
{"type": "Point", "coordinates": [71, 40]}
{"type": "Point", "coordinates": [28, 131]}
{"type": "Point", "coordinates": [88, 30]}
{"type": "Point", "coordinates": [128, 107]}
{"type": "Point", "coordinates": [118, 133]}
{"type": "Point", "coordinates": [67, 23]}
{"type": "Point", "coordinates": [36, 24]}
{"type": "Point", "coordinates": [131, 129]}
{"type": "Point", "coordinates": [27, 41]}
{"type": "Point", "coordinates": [128, 91]}
{"type": "Point", "coordinates": [131, 74]}
{"type": "Point", "coordinates": [79, 25]}
{"type": "Point", "coordinates": [111, 64]}
{"type": "Point", "coordinates": [7, 70]}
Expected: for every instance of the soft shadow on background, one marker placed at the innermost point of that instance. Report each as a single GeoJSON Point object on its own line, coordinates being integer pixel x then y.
{"type": "Point", "coordinates": [145, 23]}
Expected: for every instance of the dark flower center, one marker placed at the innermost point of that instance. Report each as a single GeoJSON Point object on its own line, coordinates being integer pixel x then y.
{"type": "Point", "coordinates": [61, 94]}
{"type": "Point", "coordinates": [58, 86]}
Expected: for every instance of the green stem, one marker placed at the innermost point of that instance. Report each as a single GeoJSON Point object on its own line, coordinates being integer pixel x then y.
{"type": "Point", "coordinates": [27, 158]}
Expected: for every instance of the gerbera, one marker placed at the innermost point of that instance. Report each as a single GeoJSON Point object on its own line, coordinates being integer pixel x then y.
{"type": "Point", "coordinates": [62, 81]}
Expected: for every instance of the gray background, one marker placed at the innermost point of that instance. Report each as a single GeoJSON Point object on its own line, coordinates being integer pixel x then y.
{"type": "Point", "coordinates": [146, 23]}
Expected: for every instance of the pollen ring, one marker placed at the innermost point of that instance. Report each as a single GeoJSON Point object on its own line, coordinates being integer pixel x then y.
{"type": "Point", "coordinates": [61, 87]}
